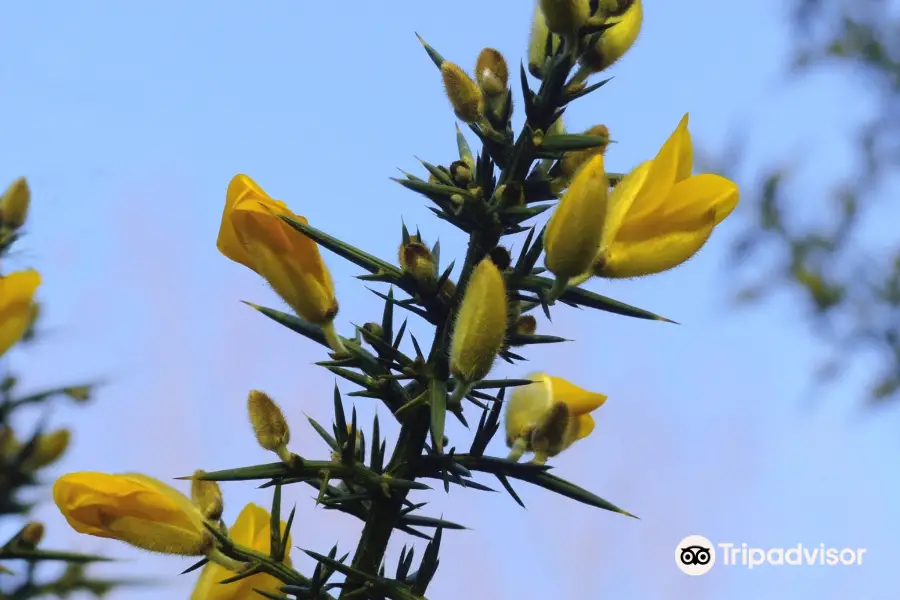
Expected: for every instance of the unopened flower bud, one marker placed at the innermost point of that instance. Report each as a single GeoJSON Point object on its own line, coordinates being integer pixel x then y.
{"type": "Point", "coordinates": [628, 16]}
{"type": "Point", "coordinates": [80, 393]}
{"type": "Point", "coordinates": [573, 233]}
{"type": "Point", "coordinates": [207, 496]}
{"type": "Point", "coordinates": [269, 425]}
{"type": "Point", "coordinates": [572, 161]}
{"type": "Point", "coordinates": [357, 443]}
{"type": "Point", "coordinates": [480, 324]}
{"type": "Point", "coordinates": [565, 17]}
{"type": "Point", "coordinates": [448, 288]}
{"type": "Point", "coordinates": [374, 329]}
{"type": "Point", "coordinates": [492, 73]}
{"type": "Point", "coordinates": [538, 41]}
{"type": "Point", "coordinates": [417, 260]}
{"type": "Point", "coordinates": [14, 204]}
{"type": "Point", "coordinates": [48, 449]}
{"type": "Point", "coordinates": [464, 94]}
{"type": "Point", "coordinates": [511, 194]}
{"type": "Point", "coordinates": [526, 325]}
{"type": "Point", "coordinates": [32, 534]}
{"type": "Point", "coordinates": [461, 173]}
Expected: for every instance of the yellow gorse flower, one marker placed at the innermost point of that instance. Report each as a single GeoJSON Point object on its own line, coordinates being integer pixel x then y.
{"type": "Point", "coordinates": [549, 403]}
{"type": "Point", "coordinates": [660, 215]}
{"type": "Point", "coordinates": [480, 324]}
{"type": "Point", "coordinates": [133, 508]}
{"type": "Point", "coordinates": [16, 301]}
{"type": "Point", "coordinates": [253, 234]}
{"type": "Point", "coordinates": [251, 530]}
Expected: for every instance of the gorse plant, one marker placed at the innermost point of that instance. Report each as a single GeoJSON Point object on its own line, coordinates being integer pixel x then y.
{"type": "Point", "coordinates": [25, 457]}
{"type": "Point", "coordinates": [605, 225]}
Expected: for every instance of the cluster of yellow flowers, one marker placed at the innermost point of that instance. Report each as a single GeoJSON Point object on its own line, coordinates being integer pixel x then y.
{"type": "Point", "coordinates": [650, 220]}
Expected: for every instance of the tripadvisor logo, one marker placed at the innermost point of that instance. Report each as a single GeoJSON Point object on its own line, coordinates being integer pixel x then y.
{"type": "Point", "coordinates": [696, 555]}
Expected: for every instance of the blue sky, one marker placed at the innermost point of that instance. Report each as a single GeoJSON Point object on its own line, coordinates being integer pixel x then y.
{"type": "Point", "coordinates": [130, 119]}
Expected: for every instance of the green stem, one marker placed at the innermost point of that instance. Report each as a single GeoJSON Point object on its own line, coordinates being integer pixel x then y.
{"type": "Point", "coordinates": [385, 512]}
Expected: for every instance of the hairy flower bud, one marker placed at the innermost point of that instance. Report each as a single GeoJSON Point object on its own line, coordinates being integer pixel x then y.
{"type": "Point", "coordinates": [480, 324]}
{"type": "Point", "coordinates": [492, 73]}
{"type": "Point", "coordinates": [79, 393]}
{"type": "Point", "coordinates": [461, 173]}
{"type": "Point", "coordinates": [628, 16]}
{"type": "Point", "coordinates": [573, 232]}
{"type": "Point", "coordinates": [14, 204]}
{"type": "Point", "coordinates": [526, 325]}
{"type": "Point", "coordinates": [416, 259]}
{"type": "Point", "coordinates": [269, 425]}
{"type": "Point", "coordinates": [464, 94]}
{"type": "Point", "coordinates": [48, 449]}
{"type": "Point", "coordinates": [207, 496]}
{"type": "Point", "coordinates": [573, 160]}
{"type": "Point", "coordinates": [538, 41]}
{"type": "Point", "coordinates": [565, 17]}
{"type": "Point", "coordinates": [31, 534]}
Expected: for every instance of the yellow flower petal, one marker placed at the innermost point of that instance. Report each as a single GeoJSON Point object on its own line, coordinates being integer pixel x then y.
{"type": "Point", "coordinates": [480, 324]}
{"type": "Point", "coordinates": [620, 201]}
{"type": "Point", "coordinates": [672, 163]}
{"type": "Point", "coordinates": [240, 189]}
{"type": "Point", "coordinates": [653, 255]}
{"type": "Point", "coordinates": [687, 208]}
{"type": "Point", "coordinates": [251, 529]}
{"type": "Point", "coordinates": [529, 406]}
{"type": "Point", "coordinates": [133, 508]}
{"type": "Point", "coordinates": [582, 426]}
{"type": "Point", "coordinates": [16, 297]}
{"type": "Point", "coordinates": [253, 234]}
{"type": "Point", "coordinates": [579, 400]}
{"type": "Point", "coordinates": [574, 231]}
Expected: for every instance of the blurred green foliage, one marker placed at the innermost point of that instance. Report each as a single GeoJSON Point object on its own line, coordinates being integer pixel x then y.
{"type": "Point", "coordinates": [850, 289]}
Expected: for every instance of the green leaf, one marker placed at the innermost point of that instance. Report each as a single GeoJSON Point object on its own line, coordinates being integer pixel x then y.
{"type": "Point", "coordinates": [509, 488]}
{"type": "Point", "coordinates": [525, 339]}
{"type": "Point", "coordinates": [434, 189]}
{"type": "Point", "coordinates": [584, 91]}
{"type": "Point", "coordinates": [569, 142]}
{"type": "Point", "coordinates": [368, 262]}
{"type": "Point", "coordinates": [443, 177]}
{"type": "Point", "coordinates": [465, 152]}
{"type": "Point", "coordinates": [332, 443]}
{"type": "Point", "coordinates": [294, 323]}
{"type": "Point", "coordinates": [436, 58]}
{"type": "Point", "coordinates": [267, 471]}
{"type": "Point", "coordinates": [582, 297]}
{"type": "Point", "coordinates": [438, 400]}
{"type": "Point", "coordinates": [570, 490]}
{"type": "Point", "coordinates": [276, 551]}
